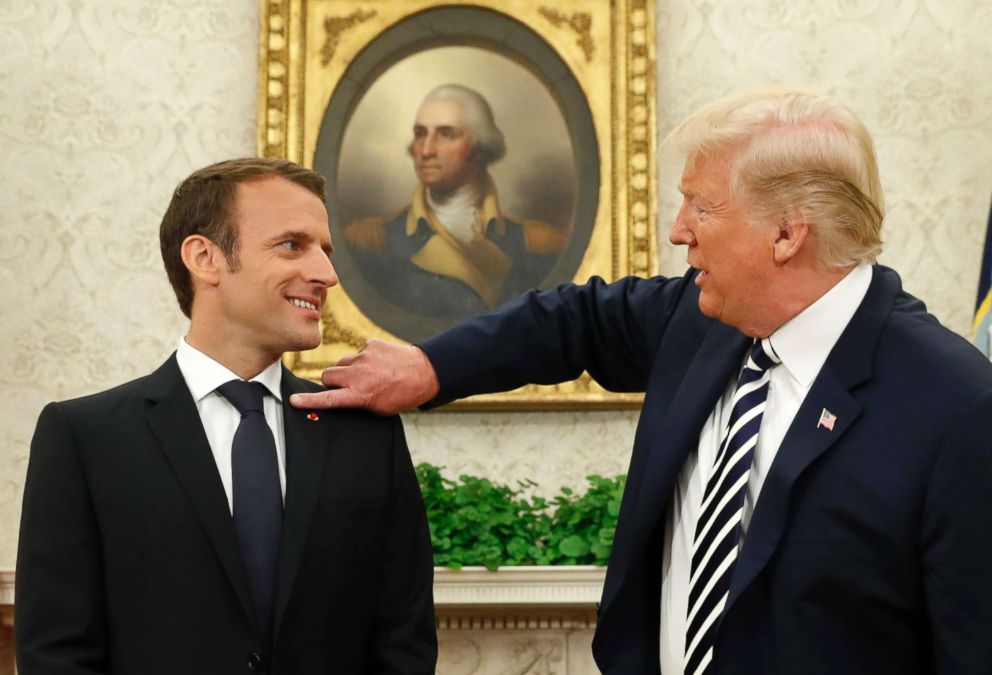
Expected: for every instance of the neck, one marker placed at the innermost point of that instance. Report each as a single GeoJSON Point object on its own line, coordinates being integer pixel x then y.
{"type": "Point", "coordinates": [469, 194]}
{"type": "Point", "coordinates": [799, 289]}
{"type": "Point", "coordinates": [243, 360]}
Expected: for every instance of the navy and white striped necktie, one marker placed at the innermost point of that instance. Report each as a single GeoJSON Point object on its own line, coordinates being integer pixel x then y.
{"type": "Point", "coordinates": [714, 547]}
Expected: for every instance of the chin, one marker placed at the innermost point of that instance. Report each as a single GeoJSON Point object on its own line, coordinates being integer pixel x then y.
{"type": "Point", "coordinates": [299, 343]}
{"type": "Point", "coordinates": [710, 308]}
{"type": "Point", "coordinates": [307, 343]}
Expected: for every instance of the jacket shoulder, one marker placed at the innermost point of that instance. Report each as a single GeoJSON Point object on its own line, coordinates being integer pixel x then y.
{"type": "Point", "coordinates": [108, 399]}
{"type": "Point", "coordinates": [294, 384]}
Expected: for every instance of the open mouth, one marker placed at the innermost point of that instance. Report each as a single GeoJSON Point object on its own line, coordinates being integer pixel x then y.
{"type": "Point", "coordinates": [303, 304]}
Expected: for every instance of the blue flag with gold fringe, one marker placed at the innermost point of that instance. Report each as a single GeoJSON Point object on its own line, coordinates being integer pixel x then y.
{"type": "Point", "coordinates": [982, 326]}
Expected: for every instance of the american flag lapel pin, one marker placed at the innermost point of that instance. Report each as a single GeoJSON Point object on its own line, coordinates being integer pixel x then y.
{"type": "Point", "coordinates": [827, 420]}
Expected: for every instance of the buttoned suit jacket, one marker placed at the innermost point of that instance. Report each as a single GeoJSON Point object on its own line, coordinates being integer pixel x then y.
{"type": "Point", "coordinates": [869, 546]}
{"type": "Point", "coordinates": [128, 560]}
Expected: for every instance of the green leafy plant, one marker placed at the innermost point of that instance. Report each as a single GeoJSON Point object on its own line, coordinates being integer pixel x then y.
{"type": "Point", "coordinates": [475, 521]}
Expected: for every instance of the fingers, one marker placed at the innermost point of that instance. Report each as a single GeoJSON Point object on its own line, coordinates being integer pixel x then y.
{"type": "Point", "coordinates": [332, 398]}
{"type": "Point", "coordinates": [336, 376]}
{"type": "Point", "coordinates": [349, 359]}
{"type": "Point", "coordinates": [383, 377]}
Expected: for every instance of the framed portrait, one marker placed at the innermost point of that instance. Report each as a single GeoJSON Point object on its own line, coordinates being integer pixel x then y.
{"type": "Point", "coordinates": [472, 152]}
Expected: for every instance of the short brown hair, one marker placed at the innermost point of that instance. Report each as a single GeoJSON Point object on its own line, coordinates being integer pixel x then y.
{"type": "Point", "coordinates": [203, 204]}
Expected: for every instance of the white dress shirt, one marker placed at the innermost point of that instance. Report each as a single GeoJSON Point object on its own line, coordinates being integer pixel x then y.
{"type": "Point", "coordinates": [220, 418]}
{"type": "Point", "coordinates": [803, 344]}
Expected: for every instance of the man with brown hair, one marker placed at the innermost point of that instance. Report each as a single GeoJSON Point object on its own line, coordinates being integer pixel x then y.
{"type": "Point", "coordinates": [191, 521]}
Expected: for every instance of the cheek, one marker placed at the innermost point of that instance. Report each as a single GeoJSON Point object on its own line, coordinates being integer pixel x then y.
{"type": "Point", "coordinates": [460, 150]}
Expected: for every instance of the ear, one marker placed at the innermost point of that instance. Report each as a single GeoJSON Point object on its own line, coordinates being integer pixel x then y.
{"type": "Point", "coordinates": [204, 259]}
{"type": "Point", "coordinates": [789, 239]}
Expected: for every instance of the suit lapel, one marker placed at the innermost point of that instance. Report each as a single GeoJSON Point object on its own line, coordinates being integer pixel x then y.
{"type": "Point", "coordinates": [674, 436]}
{"type": "Point", "coordinates": [307, 444]}
{"type": "Point", "coordinates": [176, 425]}
{"type": "Point", "coordinates": [848, 365]}
{"type": "Point", "coordinates": [805, 441]}
{"type": "Point", "coordinates": [715, 364]}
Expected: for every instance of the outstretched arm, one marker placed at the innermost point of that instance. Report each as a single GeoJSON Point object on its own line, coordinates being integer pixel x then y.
{"type": "Point", "coordinates": [610, 330]}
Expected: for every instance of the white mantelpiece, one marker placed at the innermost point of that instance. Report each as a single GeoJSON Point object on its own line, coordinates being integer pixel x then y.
{"type": "Point", "coordinates": [519, 620]}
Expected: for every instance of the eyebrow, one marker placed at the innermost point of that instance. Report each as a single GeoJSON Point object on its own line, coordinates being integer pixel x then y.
{"type": "Point", "coordinates": [297, 235]}
{"type": "Point", "coordinates": [440, 127]}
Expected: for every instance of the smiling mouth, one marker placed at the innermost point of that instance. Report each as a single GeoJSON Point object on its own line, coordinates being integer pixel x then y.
{"type": "Point", "coordinates": [303, 304]}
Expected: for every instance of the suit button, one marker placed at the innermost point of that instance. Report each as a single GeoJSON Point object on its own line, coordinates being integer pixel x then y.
{"type": "Point", "coordinates": [254, 662]}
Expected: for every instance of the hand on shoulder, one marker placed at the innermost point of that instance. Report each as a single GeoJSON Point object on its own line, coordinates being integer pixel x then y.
{"type": "Point", "coordinates": [383, 377]}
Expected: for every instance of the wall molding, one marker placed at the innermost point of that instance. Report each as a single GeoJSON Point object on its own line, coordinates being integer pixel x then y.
{"type": "Point", "coordinates": [578, 586]}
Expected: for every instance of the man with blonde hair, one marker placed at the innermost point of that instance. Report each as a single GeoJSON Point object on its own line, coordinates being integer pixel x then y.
{"type": "Point", "coordinates": [811, 479]}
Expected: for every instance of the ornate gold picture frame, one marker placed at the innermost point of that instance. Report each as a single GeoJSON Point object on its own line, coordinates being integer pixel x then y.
{"type": "Point", "coordinates": [570, 84]}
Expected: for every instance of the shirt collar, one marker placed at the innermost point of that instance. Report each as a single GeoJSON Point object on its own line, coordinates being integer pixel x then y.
{"type": "Point", "coordinates": [804, 342]}
{"type": "Point", "coordinates": [203, 374]}
{"type": "Point", "coordinates": [488, 211]}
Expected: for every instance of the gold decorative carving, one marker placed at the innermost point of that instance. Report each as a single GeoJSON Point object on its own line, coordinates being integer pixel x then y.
{"type": "Point", "coordinates": [580, 22]}
{"type": "Point", "coordinates": [273, 90]}
{"type": "Point", "coordinates": [640, 139]}
{"type": "Point", "coordinates": [335, 332]}
{"type": "Point", "coordinates": [307, 48]}
{"type": "Point", "coordinates": [334, 26]}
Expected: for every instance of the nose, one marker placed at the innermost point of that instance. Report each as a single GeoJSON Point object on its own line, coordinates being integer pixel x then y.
{"type": "Point", "coordinates": [680, 232]}
{"type": "Point", "coordinates": [322, 272]}
{"type": "Point", "coordinates": [428, 146]}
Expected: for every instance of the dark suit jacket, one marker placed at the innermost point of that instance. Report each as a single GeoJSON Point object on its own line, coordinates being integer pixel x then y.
{"type": "Point", "coordinates": [870, 546]}
{"type": "Point", "coordinates": [128, 560]}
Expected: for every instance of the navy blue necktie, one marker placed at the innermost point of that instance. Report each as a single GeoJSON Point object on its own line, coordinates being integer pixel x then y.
{"type": "Point", "coordinates": [714, 547]}
{"type": "Point", "coordinates": [257, 495]}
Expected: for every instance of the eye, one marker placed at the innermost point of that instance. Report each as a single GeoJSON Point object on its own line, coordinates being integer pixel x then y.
{"type": "Point", "coordinates": [290, 245]}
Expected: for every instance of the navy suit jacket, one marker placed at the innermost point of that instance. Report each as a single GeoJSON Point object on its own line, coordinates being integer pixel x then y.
{"type": "Point", "coordinates": [870, 546]}
{"type": "Point", "coordinates": [128, 561]}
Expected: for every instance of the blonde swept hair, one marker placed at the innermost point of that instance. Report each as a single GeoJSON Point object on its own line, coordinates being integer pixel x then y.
{"type": "Point", "coordinates": [798, 155]}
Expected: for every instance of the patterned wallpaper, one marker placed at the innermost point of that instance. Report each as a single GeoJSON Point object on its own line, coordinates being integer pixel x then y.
{"type": "Point", "coordinates": [106, 104]}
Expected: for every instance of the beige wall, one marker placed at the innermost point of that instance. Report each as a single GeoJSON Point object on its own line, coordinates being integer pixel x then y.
{"type": "Point", "coordinates": [106, 104]}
